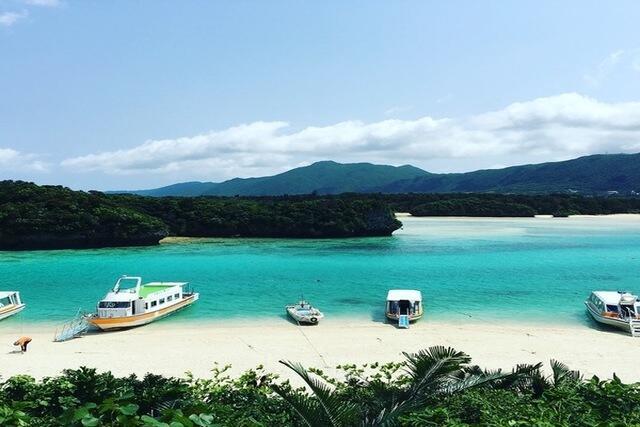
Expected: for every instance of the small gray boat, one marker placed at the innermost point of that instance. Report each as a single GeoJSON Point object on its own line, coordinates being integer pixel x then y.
{"type": "Point", "coordinates": [303, 312]}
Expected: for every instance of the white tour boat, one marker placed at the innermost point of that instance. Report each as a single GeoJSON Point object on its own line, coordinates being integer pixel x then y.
{"type": "Point", "coordinates": [140, 304]}
{"type": "Point", "coordinates": [10, 304]}
{"type": "Point", "coordinates": [303, 312]}
{"type": "Point", "coordinates": [404, 306]}
{"type": "Point", "coordinates": [618, 309]}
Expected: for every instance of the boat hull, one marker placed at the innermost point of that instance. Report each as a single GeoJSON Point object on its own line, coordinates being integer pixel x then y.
{"type": "Point", "coordinates": [612, 321]}
{"type": "Point", "coordinates": [114, 323]}
{"type": "Point", "coordinates": [10, 310]}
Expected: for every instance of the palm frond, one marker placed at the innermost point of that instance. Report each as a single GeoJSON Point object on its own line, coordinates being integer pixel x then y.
{"type": "Point", "coordinates": [337, 411]}
{"type": "Point", "coordinates": [472, 382]}
{"type": "Point", "coordinates": [306, 407]}
{"type": "Point", "coordinates": [419, 363]}
{"type": "Point", "coordinates": [431, 367]}
{"type": "Point", "coordinates": [562, 373]}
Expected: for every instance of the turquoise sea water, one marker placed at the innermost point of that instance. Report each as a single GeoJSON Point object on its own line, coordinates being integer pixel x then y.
{"type": "Point", "coordinates": [532, 270]}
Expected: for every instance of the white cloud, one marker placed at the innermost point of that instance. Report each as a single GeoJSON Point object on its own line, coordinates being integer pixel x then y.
{"type": "Point", "coordinates": [45, 3]}
{"type": "Point", "coordinates": [13, 160]}
{"type": "Point", "coordinates": [7, 19]}
{"type": "Point", "coordinates": [544, 129]}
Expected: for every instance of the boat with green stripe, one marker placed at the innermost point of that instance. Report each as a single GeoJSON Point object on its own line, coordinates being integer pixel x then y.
{"type": "Point", "coordinates": [131, 303]}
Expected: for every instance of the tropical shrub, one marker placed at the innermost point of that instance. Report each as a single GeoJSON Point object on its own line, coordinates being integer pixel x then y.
{"type": "Point", "coordinates": [435, 387]}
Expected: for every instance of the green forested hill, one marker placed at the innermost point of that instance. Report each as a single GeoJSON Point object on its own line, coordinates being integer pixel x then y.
{"type": "Point", "coordinates": [588, 175]}
{"type": "Point", "coordinates": [322, 177]}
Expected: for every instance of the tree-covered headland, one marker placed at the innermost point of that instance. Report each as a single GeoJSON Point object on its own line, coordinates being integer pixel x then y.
{"type": "Point", "coordinates": [50, 217]}
{"type": "Point", "coordinates": [53, 217]}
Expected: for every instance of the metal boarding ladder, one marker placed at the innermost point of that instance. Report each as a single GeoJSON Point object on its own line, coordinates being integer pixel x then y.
{"type": "Point", "coordinates": [403, 321]}
{"type": "Point", "coordinates": [73, 328]}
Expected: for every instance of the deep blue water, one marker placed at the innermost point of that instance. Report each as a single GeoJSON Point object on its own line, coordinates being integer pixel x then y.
{"type": "Point", "coordinates": [533, 270]}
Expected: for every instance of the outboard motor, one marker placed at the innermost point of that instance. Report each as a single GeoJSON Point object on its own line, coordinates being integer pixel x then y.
{"type": "Point", "coordinates": [627, 302]}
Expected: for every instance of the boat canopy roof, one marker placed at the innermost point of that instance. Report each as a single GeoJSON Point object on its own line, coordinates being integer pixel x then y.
{"type": "Point", "coordinates": [142, 291]}
{"type": "Point", "coordinates": [7, 294]}
{"type": "Point", "coordinates": [166, 284]}
{"type": "Point", "coordinates": [610, 297]}
{"type": "Point", "coordinates": [404, 294]}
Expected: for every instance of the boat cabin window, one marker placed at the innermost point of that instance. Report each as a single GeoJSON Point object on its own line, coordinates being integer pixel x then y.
{"type": "Point", "coordinates": [5, 301]}
{"type": "Point", "coordinates": [146, 305]}
{"type": "Point", "coordinates": [599, 305]}
{"type": "Point", "coordinates": [114, 304]}
{"type": "Point", "coordinates": [612, 308]}
{"type": "Point", "coordinates": [161, 301]}
{"type": "Point", "coordinates": [176, 296]}
{"type": "Point", "coordinates": [154, 303]}
{"type": "Point", "coordinates": [169, 298]}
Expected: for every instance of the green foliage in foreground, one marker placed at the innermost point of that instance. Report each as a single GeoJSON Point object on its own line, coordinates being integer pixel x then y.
{"type": "Point", "coordinates": [435, 387]}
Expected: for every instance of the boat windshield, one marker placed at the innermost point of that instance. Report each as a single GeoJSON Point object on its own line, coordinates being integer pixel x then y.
{"type": "Point", "coordinates": [126, 284]}
{"type": "Point", "coordinates": [612, 308]}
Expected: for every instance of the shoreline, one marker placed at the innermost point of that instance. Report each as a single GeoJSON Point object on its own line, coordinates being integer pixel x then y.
{"type": "Point", "coordinates": [344, 318]}
{"type": "Point", "coordinates": [174, 348]}
{"type": "Point", "coordinates": [172, 240]}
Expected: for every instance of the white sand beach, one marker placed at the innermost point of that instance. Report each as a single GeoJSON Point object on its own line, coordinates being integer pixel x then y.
{"type": "Point", "coordinates": [172, 348]}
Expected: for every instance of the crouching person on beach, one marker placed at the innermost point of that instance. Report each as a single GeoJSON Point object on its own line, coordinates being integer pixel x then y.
{"type": "Point", "coordinates": [23, 342]}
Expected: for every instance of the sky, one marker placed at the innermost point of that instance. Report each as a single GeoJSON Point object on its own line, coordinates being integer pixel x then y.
{"type": "Point", "coordinates": [130, 95]}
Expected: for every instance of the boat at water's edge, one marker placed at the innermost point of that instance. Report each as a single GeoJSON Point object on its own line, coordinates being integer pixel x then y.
{"type": "Point", "coordinates": [141, 304]}
{"type": "Point", "coordinates": [10, 304]}
{"type": "Point", "coordinates": [303, 312]}
{"type": "Point", "coordinates": [404, 302]}
{"type": "Point", "coordinates": [618, 309]}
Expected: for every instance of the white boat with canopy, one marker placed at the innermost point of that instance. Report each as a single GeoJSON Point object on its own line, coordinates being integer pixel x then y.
{"type": "Point", "coordinates": [10, 304]}
{"type": "Point", "coordinates": [404, 306]}
{"type": "Point", "coordinates": [617, 309]}
{"type": "Point", "coordinates": [139, 304]}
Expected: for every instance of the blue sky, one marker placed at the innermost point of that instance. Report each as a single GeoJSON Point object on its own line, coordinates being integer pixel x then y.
{"type": "Point", "coordinates": [121, 94]}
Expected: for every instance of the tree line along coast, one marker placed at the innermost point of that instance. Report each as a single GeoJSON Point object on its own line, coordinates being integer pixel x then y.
{"type": "Point", "coordinates": [55, 217]}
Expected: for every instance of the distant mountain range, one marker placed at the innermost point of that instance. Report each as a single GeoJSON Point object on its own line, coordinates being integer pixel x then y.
{"type": "Point", "coordinates": [595, 174]}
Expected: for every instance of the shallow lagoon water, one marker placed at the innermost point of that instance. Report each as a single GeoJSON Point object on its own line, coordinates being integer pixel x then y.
{"type": "Point", "coordinates": [523, 270]}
